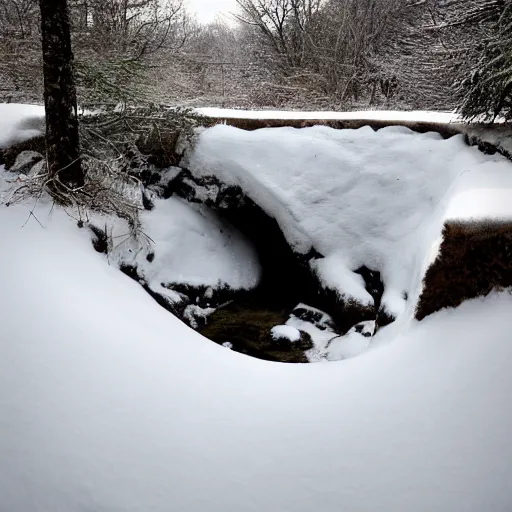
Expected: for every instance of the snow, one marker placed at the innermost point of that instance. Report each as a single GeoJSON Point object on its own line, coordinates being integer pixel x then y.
{"type": "Point", "coordinates": [333, 271]}
{"type": "Point", "coordinates": [318, 325]}
{"type": "Point", "coordinates": [350, 345]}
{"type": "Point", "coordinates": [20, 122]}
{"type": "Point", "coordinates": [285, 332]}
{"type": "Point", "coordinates": [193, 312]}
{"type": "Point", "coordinates": [355, 342]}
{"type": "Point", "coordinates": [483, 192]}
{"type": "Point", "coordinates": [190, 246]}
{"type": "Point", "coordinates": [110, 403]}
{"type": "Point", "coordinates": [359, 197]}
{"type": "Point", "coordinates": [382, 115]}
{"type": "Point", "coordinates": [320, 338]}
{"type": "Point", "coordinates": [196, 247]}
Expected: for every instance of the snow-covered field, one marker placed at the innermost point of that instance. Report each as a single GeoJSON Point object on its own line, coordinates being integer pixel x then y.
{"type": "Point", "coordinates": [109, 403]}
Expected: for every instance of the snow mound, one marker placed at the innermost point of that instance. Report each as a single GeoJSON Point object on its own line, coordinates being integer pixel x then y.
{"type": "Point", "coordinates": [185, 244]}
{"type": "Point", "coordinates": [358, 197]}
{"type": "Point", "coordinates": [20, 122]}
{"type": "Point", "coordinates": [483, 191]}
{"type": "Point", "coordinates": [285, 332]}
{"type": "Point", "coordinates": [355, 342]}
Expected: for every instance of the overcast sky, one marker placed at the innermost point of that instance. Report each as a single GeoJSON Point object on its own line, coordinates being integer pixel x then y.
{"type": "Point", "coordinates": [206, 10]}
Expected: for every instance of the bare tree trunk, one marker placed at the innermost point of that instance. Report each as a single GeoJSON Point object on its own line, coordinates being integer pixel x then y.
{"type": "Point", "coordinates": [62, 140]}
{"type": "Point", "coordinates": [374, 92]}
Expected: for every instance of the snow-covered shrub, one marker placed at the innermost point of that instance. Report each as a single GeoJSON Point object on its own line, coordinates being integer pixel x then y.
{"type": "Point", "coordinates": [484, 65]}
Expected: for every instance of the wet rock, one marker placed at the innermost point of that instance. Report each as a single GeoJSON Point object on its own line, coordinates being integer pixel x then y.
{"type": "Point", "coordinates": [25, 161]}
{"type": "Point", "coordinates": [345, 312]}
{"type": "Point", "coordinates": [313, 316]}
{"type": "Point", "coordinates": [290, 338]}
{"type": "Point", "coordinates": [373, 283]}
{"type": "Point", "coordinates": [384, 318]}
{"type": "Point", "coordinates": [99, 239]}
{"type": "Point", "coordinates": [205, 296]}
{"type": "Point", "coordinates": [172, 302]}
{"type": "Point", "coordinates": [163, 187]}
{"type": "Point", "coordinates": [366, 329]}
{"type": "Point", "coordinates": [8, 155]}
{"type": "Point", "coordinates": [196, 316]}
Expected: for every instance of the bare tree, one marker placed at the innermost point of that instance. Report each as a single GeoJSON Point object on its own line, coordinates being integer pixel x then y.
{"type": "Point", "coordinates": [121, 42]}
{"type": "Point", "coordinates": [19, 35]}
{"type": "Point", "coordinates": [287, 25]}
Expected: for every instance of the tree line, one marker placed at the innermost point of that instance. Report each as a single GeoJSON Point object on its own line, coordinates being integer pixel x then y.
{"type": "Point", "coordinates": [306, 54]}
{"type": "Point", "coordinates": [340, 54]}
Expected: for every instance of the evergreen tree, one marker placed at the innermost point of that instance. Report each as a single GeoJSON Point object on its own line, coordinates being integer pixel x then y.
{"type": "Point", "coordinates": [482, 58]}
{"type": "Point", "coordinates": [62, 139]}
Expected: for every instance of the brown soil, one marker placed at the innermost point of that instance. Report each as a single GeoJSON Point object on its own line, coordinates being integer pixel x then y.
{"type": "Point", "coordinates": [475, 258]}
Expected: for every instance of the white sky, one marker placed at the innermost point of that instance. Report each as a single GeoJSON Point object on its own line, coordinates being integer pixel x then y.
{"type": "Point", "coordinates": [206, 10]}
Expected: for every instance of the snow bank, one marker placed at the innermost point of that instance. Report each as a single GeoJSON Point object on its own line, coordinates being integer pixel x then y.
{"type": "Point", "coordinates": [359, 197]}
{"type": "Point", "coordinates": [381, 115]}
{"type": "Point", "coordinates": [20, 122]}
{"type": "Point", "coordinates": [285, 332]}
{"type": "Point", "coordinates": [110, 403]}
{"type": "Point", "coordinates": [483, 191]}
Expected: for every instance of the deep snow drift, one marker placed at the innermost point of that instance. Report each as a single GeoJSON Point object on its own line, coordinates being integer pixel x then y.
{"type": "Point", "coordinates": [110, 403]}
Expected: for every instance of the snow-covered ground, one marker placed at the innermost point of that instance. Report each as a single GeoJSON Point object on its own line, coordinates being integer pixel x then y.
{"type": "Point", "coordinates": [483, 191]}
{"type": "Point", "coordinates": [109, 403]}
{"type": "Point", "coordinates": [359, 197]}
{"type": "Point", "coordinates": [382, 115]}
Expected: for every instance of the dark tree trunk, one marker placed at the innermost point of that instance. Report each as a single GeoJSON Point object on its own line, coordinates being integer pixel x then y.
{"type": "Point", "coordinates": [62, 140]}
